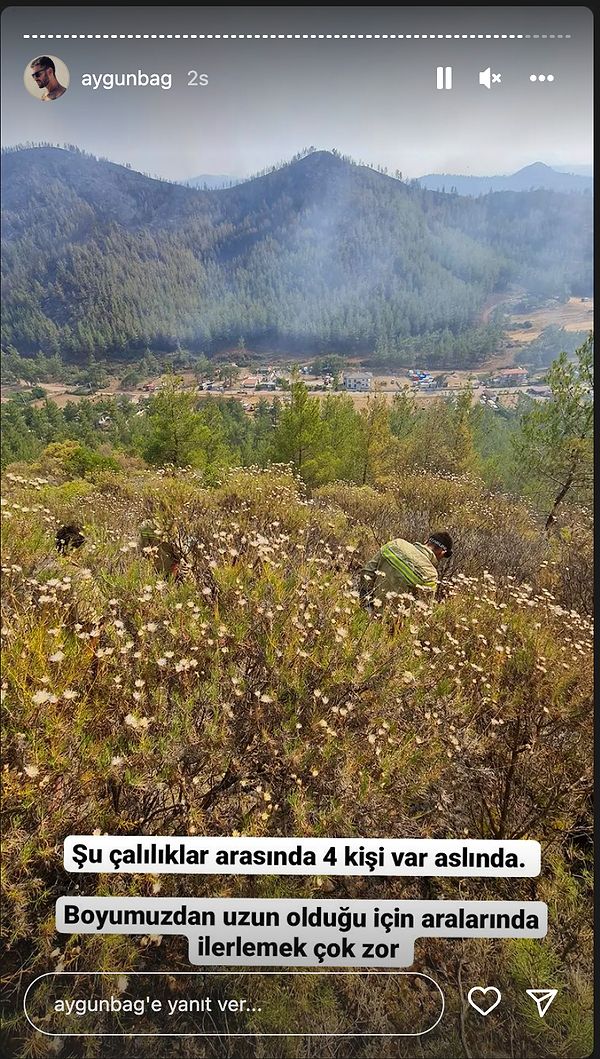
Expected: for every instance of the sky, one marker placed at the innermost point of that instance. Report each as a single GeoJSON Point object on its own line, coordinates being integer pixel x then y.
{"type": "Point", "coordinates": [266, 99]}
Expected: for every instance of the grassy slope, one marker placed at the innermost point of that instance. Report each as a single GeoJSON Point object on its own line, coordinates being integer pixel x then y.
{"type": "Point", "coordinates": [469, 719]}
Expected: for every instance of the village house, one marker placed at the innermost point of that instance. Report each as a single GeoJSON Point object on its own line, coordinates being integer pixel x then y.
{"type": "Point", "coordinates": [510, 377]}
{"type": "Point", "coordinates": [358, 380]}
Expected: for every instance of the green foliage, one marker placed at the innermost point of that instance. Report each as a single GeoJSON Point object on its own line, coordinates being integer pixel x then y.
{"type": "Point", "coordinates": [329, 365]}
{"type": "Point", "coordinates": [299, 435]}
{"type": "Point", "coordinates": [568, 1031]}
{"type": "Point", "coordinates": [557, 435]}
{"type": "Point", "coordinates": [204, 369]}
{"type": "Point", "coordinates": [37, 368]}
{"type": "Point", "coordinates": [465, 417]}
{"type": "Point", "coordinates": [175, 433]}
{"type": "Point", "coordinates": [26, 430]}
{"type": "Point", "coordinates": [77, 460]}
{"type": "Point", "coordinates": [93, 376]}
{"type": "Point", "coordinates": [494, 438]}
{"type": "Point", "coordinates": [403, 414]}
{"type": "Point", "coordinates": [228, 373]}
{"type": "Point", "coordinates": [329, 439]}
{"type": "Point", "coordinates": [441, 438]}
{"type": "Point", "coordinates": [131, 380]}
{"type": "Point", "coordinates": [377, 455]}
{"type": "Point", "coordinates": [547, 346]}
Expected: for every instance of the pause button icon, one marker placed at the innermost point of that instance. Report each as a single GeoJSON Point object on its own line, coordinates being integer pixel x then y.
{"type": "Point", "coordinates": [443, 77]}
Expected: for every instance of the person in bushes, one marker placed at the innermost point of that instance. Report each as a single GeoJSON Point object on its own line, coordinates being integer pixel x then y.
{"type": "Point", "coordinates": [165, 557]}
{"type": "Point", "coordinates": [83, 603]}
{"type": "Point", "coordinates": [68, 538]}
{"type": "Point", "coordinates": [401, 567]}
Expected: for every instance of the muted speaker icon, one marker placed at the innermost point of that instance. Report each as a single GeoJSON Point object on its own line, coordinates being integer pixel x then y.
{"type": "Point", "coordinates": [487, 78]}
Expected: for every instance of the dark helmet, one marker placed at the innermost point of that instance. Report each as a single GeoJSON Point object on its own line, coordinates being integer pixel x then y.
{"type": "Point", "coordinates": [442, 540]}
{"type": "Point", "coordinates": [68, 537]}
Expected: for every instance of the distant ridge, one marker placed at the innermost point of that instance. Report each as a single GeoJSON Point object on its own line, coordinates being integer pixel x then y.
{"type": "Point", "coordinates": [531, 177]}
{"type": "Point", "coordinates": [211, 181]}
{"type": "Point", "coordinates": [578, 170]}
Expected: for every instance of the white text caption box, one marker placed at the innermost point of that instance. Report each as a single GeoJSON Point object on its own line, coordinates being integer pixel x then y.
{"type": "Point", "coordinates": [483, 858]}
{"type": "Point", "coordinates": [262, 932]}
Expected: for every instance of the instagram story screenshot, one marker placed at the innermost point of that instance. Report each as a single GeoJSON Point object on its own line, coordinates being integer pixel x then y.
{"type": "Point", "coordinates": [297, 532]}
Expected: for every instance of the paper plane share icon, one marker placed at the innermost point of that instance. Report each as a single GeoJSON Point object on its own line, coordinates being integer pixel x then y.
{"type": "Point", "coordinates": [543, 998]}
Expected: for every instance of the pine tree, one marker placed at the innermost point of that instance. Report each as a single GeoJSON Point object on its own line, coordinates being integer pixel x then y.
{"type": "Point", "coordinates": [300, 434]}
{"type": "Point", "coordinates": [403, 414]}
{"type": "Point", "coordinates": [343, 436]}
{"type": "Point", "coordinates": [464, 418]}
{"type": "Point", "coordinates": [557, 435]}
{"type": "Point", "coordinates": [175, 433]}
{"type": "Point", "coordinates": [378, 449]}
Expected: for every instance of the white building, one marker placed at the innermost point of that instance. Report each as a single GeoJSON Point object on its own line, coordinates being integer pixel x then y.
{"type": "Point", "coordinates": [358, 380]}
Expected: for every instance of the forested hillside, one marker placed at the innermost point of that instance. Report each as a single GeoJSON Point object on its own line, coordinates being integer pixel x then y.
{"type": "Point", "coordinates": [318, 255]}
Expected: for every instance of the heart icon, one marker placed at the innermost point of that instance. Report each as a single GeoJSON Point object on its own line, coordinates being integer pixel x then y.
{"type": "Point", "coordinates": [496, 997]}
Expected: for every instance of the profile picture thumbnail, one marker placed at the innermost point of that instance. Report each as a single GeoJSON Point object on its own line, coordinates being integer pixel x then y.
{"type": "Point", "coordinates": [46, 78]}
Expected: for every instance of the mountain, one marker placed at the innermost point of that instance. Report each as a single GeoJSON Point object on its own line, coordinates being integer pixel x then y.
{"type": "Point", "coordinates": [210, 181]}
{"type": "Point", "coordinates": [318, 255]}
{"type": "Point", "coordinates": [578, 170]}
{"type": "Point", "coordinates": [531, 177]}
